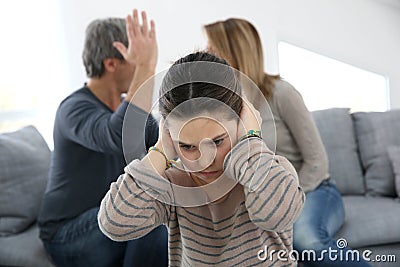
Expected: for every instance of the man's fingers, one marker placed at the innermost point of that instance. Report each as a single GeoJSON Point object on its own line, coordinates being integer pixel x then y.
{"type": "Point", "coordinates": [121, 48]}
{"type": "Point", "coordinates": [136, 26]}
{"type": "Point", "coordinates": [152, 29]}
{"type": "Point", "coordinates": [129, 27]}
{"type": "Point", "coordinates": [145, 27]}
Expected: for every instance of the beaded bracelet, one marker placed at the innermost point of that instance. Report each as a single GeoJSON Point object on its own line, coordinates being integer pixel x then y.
{"type": "Point", "coordinates": [168, 162]}
{"type": "Point", "coordinates": [250, 133]}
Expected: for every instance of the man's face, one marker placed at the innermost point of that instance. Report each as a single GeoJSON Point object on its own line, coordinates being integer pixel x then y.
{"type": "Point", "coordinates": [124, 75]}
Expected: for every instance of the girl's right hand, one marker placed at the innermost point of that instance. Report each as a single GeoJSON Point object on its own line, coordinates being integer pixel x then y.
{"type": "Point", "coordinates": [165, 142]}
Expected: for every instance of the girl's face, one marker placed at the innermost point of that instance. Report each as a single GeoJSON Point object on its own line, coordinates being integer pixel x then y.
{"type": "Point", "coordinates": [202, 144]}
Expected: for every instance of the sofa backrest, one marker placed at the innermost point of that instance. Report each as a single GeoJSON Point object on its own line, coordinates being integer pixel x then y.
{"type": "Point", "coordinates": [357, 145]}
{"type": "Point", "coordinates": [338, 136]}
{"type": "Point", "coordinates": [24, 165]}
{"type": "Point", "coordinates": [376, 134]}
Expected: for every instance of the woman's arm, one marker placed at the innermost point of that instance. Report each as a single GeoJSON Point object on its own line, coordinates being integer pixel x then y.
{"type": "Point", "coordinates": [274, 198]}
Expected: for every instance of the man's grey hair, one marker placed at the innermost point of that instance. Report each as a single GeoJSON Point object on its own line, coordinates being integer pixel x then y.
{"type": "Point", "coordinates": [100, 35]}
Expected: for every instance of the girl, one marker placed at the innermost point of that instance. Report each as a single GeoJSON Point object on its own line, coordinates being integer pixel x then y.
{"type": "Point", "coordinates": [228, 201]}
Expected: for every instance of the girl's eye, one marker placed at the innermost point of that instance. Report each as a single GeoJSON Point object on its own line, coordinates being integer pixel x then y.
{"type": "Point", "coordinates": [187, 147]}
{"type": "Point", "coordinates": [219, 141]}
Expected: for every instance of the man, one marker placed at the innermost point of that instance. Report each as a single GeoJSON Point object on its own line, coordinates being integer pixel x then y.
{"type": "Point", "coordinates": [88, 154]}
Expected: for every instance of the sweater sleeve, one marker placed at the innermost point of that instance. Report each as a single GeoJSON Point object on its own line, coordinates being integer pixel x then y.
{"type": "Point", "coordinates": [128, 210]}
{"type": "Point", "coordinates": [274, 198]}
{"type": "Point", "coordinates": [301, 125]}
{"type": "Point", "coordinates": [85, 123]}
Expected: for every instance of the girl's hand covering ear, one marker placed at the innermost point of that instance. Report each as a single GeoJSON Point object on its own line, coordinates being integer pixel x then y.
{"type": "Point", "coordinates": [165, 142]}
{"type": "Point", "coordinates": [250, 118]}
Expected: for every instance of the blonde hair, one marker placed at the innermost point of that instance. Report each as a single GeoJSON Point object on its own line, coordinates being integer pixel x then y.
{"type": "Point", "coordinates": [237, 41]}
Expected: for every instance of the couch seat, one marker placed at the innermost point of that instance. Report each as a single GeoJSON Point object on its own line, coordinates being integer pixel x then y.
{"type": "Point", "coordinates": [24, 249]}
{"type": "Point", "coordinates": [370, 221]}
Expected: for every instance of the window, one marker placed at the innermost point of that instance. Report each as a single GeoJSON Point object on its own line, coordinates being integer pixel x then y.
{"type": "Point", "coordinates": [32, 67]}
{"type": "Point", "coordinates": [17, 109]}
{"type": "Point", "coordinates": [327, 83]}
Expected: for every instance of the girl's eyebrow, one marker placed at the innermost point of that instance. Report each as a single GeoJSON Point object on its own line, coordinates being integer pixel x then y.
{"type": "Point", "coordinates": [215, 138]}
{"type": "Point", "coordinates": [219, 136]}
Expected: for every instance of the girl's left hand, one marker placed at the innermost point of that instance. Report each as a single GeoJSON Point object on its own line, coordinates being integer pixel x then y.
{"type": "Point", "coordinates": [250, 118]}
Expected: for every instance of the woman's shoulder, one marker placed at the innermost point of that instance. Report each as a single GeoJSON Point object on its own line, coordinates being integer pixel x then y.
{"type": "Point", "coordinates": [283, 89]}
{"type": "Point", "coordinates": [286, 98]}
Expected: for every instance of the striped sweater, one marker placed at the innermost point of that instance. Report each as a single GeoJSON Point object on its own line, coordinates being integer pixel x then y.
{"type": "Point", "coordinates": [257, 213]}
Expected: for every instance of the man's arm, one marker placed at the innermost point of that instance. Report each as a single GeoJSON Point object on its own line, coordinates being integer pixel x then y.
{"type": "Point", "coordinates": [99, 130]}
{"type": "Point", "coordinates": [142, 53]}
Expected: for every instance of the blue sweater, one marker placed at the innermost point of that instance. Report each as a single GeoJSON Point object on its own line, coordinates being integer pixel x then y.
{"type": "Point", "coordinates": [88, 155]}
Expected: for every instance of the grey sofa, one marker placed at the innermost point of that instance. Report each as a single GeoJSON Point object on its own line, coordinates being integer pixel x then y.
{"type": "Point", "coordinates": [364, 160]}
{"type": "Point", "coordinates": [24, 164]}
{"type": "Point", "coordinates": [362, 148]}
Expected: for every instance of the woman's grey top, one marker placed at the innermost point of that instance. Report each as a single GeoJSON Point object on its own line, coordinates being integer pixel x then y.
{"type": "Point", "coordinates": [297, 137]}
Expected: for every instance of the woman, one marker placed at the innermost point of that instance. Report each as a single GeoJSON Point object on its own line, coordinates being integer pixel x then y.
{"type": "Point", "coordinates": [237, 41]}
{"type": "Point", "coordinates": [228, 200]}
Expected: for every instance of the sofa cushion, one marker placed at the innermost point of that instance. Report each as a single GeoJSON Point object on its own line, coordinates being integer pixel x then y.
{"type": "Point", "coordinates": [24, 164]}
{"type": "Point", "coordinates": [375, 132]}
{"type": "Point", "coordinates": [336, 129]}
{"type": "Point", "coordinates": [394, 155]}
{"type": "Point", "coordinates": [24, 249]}
{"type": "Point", "coordinates": [370, 221]}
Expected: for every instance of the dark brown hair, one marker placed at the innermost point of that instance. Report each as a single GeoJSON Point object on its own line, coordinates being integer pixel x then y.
{"type": "Point", "coordinates": [204, 77]}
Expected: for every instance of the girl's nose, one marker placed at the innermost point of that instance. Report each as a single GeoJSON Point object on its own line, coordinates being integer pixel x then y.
{"type": "Point", "coordinates": [205, 156]}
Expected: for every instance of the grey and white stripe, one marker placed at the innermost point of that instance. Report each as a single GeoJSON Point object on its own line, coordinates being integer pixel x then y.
{"type": "Point", "coordinates": [226, 233]}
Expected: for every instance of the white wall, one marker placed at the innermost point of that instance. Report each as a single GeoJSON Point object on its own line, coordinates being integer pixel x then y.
{"type": "Point", "coordinates": [364, 33]}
